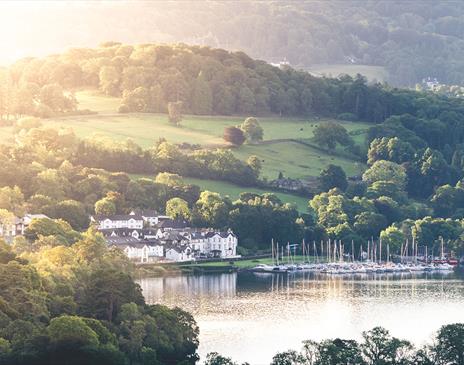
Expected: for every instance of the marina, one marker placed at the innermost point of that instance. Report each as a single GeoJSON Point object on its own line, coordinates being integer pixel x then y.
{"type": "Point", "coordinates": [335, 261]}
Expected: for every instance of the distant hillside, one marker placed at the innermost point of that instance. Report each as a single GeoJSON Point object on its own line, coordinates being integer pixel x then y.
{"type": "Point", "coordinates": [412, 39]}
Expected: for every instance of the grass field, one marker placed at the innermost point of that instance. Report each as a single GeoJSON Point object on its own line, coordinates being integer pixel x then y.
{"type": "Point", "coordinates": [292, 159]}
{"type": "Point", "coordinates": [295, 160]}
{"type": "Point", "coordinates": [372, 73]}
{"type": "Point", "coordinates": [233, 191]}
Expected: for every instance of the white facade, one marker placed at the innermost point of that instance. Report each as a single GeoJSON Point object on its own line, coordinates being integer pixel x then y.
{"type": "Point", "coordinates": [223, 246]}
{"type": "Point", "coordinates": [144, 253]}
{"type": "Point", "coordinates": [179, 254]}
{"type": "Point", "coordinates": [123, 222]}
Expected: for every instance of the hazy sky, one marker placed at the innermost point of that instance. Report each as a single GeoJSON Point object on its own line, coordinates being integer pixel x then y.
{"type": "Point", "coordinates": [37, 28]}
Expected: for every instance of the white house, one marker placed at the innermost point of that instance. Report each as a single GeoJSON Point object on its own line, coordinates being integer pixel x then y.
{"type": "Point", "coordinates": [151, 217]}
{"type": "Point", "coordinates": [131, 221]}
{"type": "Point", "coordinates": [136, 250]}
{"type": "Point", "coordinates": [180, 253]}
{"type": "Point", "coordinates": [222, 244]}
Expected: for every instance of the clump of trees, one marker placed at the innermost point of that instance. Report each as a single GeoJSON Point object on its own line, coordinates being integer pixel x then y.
{"type": "Point", "coordinates": [252, 130]}
{"type": "Point", "coordinates": [378, 346]}
{"type": "Point", "coordinates": [74, 301]}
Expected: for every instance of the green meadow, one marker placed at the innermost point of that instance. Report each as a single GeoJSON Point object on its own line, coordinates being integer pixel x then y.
{"type": "Point", "coordinates": [233, 191]}
{"type": "Point", "coordinates": [278, 154]}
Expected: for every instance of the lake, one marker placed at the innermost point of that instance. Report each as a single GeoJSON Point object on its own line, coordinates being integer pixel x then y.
{"type": "Point", "coordinates": [250, 317]}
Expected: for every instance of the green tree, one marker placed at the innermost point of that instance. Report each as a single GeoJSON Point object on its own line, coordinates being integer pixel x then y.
{"type": "Point", "coordinates": [255, 164]}
{"type": "Point", "coordinates": [177, 208]}
{"type": "Point", "coordinates": [379, 347]}
{"type": "Point", "coordinates": [328, 134]}
{"type": "Point", "coordinates": [105, 207]}
{"type": "Point", "coordinates": [386, 171]}
{"type": "Point", "coordinates": [71, 331]}
{"type": "Point", "coordinates": [340, 352]}
{"type": "Point", "coordinates": [333, 177]}
{"type": "Point", "coordinates": [252, 130]}
{"type": "Point", "coordinates": [392, 237]}
{"type": "Point", "coordinates": [449, 346]}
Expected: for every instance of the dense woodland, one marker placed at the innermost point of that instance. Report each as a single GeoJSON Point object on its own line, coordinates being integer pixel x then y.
{"type": "Point", "coordinates": [410, 39]}
{"type": "Point", "coordinates": [68, 298]}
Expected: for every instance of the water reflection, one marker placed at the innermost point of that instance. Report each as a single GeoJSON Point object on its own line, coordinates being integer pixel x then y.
{"type": "Point", "coordinates": [252, 316]}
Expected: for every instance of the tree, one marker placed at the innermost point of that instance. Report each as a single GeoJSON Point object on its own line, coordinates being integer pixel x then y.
{"type": "Point", "coordinates": [379, 347]}
{"type": "Point", "coordinates": [72, 212]}
{"type": "Point", "coordinates": [386, 171]}
{"type": "Point", "coordinates": [290, 357]}
{"type": "Point", "coordinates": [328, 134]}
{"type": "Point", "coordinates": [177, 208]}
{"type": "Point", "coordinates": [71, 331]}
{"type": "Point", "coordinates": [449, 347]}
{"type": "Point", "coordinates": [105, 207]}
{"type": "Point", "coordinates": [392, 237]}
{"type": "Point", "coordinates": [109, 80]}
{"type": "Point", "coordinates": [234, 135]}
{"type": "Point", "coordinates": [391, 149]}
{"type": "Point", "coordinates": [369, 224]}
{"type": "Point", "coordinates": [252, 130]}
{"type": "Point", "coordinates": [175, 112]}
{"type": "Point", "coordinates": [213, 358]}
{"type": "Point", "coordinates": [211, 209]}
{"type": "Point", "coordinates": [340, 352]}
{"type": "Point", "coordinates": [333, 177]}
{"type": "Point", "coordinates": [48, 227]}
{"type": "Point", "coordinates": [106, 291]}
{"type": "Point", "coordinates": [255, 164]}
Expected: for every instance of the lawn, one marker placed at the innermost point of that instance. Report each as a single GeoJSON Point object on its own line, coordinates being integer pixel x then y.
{"type": "Point", "coordinates": [295, 160]}
{"type": "Point", "coordinates": [372, 73]}
{"type": "Point", "coordinates": [233, 191]}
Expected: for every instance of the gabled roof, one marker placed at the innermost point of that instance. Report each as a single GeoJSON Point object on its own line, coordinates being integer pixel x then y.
{"type": "Point", "coordinates": [221, 234]}
{"type": "Point", "coordinates": [118, 217]}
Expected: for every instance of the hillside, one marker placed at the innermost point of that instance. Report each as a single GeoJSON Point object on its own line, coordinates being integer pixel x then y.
{"type": "Point", "coordinates": [279, 152]}
{"type": "Point", "coordinates": [410, 40]}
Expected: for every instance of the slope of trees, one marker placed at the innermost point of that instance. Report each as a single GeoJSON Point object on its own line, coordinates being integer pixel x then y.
{"type": "Point", "coordinates": [411, 40]}
{"type": "Point", "coordinates": [75, 302]}
{"type": "Point", "coordinates": [150, 77]}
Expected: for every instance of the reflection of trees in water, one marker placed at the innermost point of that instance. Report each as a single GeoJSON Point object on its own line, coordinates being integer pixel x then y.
{"type": "Point", "coordinates": [217, 285]}
{"type": "Point", "coordinates": [205, 290]}
{"type": "Point", "coordinates": [355, 286]}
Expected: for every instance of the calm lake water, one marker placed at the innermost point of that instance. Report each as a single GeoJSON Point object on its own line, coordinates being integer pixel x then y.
{"type": "Point", "coordinates": [250, 317]}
